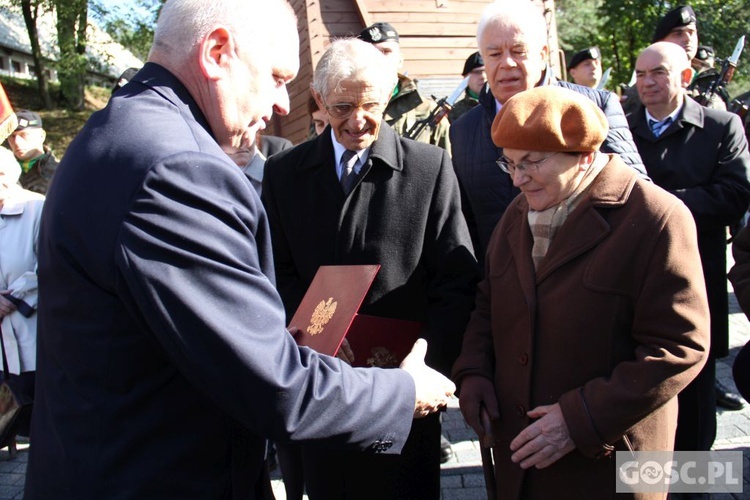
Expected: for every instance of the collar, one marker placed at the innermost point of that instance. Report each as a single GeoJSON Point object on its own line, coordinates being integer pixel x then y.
{"type": "Point", "coordinates": [16, 202]}
{"type": "Point", "coordinates": [254, 169]}
{"type": "Point", "coordinates": [672, 115]}
{"type": "Point", "coordinates": [611, 188]}
{"type": "Point", "coordinates": [163, 82]}
{"type": "Point", "coordinates": [338, 152]}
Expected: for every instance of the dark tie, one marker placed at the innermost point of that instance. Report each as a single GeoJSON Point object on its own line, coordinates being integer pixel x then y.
{"type": "Point", "coordinates": [348, 175]}
{"type": "Point", "coordinates": [658, 127]}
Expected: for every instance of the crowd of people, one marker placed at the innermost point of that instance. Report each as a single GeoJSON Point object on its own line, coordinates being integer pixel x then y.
{"type": "Point", "coordinates": [562, 249]}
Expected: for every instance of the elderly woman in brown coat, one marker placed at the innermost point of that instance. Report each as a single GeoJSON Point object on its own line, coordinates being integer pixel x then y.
{"type": "Point", "coordinates": [593, 313]}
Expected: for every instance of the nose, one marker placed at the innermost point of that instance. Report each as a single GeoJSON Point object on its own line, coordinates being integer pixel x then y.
{"type": "Point", "coordinates": [281, 104]}
{"type": "Point", "coordinates": [519, 177]}
{"type": "Point", "coordinates": [506, 59]}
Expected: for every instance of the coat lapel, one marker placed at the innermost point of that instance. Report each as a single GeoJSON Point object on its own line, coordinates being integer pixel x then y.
{"type": "Point", "coordinates": [586, 226]}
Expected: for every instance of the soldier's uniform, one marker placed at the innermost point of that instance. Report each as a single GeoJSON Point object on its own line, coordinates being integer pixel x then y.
{"type": "Point", "coordinates": [37, 173]}
{"type": "Point", "coordinates": [407, 107]}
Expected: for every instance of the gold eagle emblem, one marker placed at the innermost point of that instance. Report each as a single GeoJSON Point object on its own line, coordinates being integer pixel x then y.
{"type": "Point", "coordinates": [321, 316]}
{"type": "Point", "coordinates": [382, 358]}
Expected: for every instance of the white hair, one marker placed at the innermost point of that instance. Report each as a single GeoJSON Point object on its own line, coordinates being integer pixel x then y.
{"type": "Point", "coordinates": [353, 59]}
{"type": "Point", "coordinates": [9, 165]}
{"type": "Point", "coordinates": [182, 24]}
{"type": "Point", "coordinates": [524, 14]}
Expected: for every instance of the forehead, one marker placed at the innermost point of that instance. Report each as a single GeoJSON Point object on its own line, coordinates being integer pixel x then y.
{"type": "Point", "coordinates": [285, 57]}
{"type": "Point", "coordinates": [651, 60]}
{"type": "Point", "coordinates": [679, 30]}
{"type": "Point", "coordinates": [353, 92]}
{"type": "Point", "coordinates": [388, 46]}
{"type": "Point", "coordinates": [505, 33]}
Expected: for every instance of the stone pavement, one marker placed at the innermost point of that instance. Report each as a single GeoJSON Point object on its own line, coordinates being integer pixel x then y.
{"type": "Point", "coordinates": [461, 477]}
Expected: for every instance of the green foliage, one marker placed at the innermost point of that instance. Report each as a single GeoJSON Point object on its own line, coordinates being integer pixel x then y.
{"type": "Point", "coordinates": [133, 28]}
{"type": "Point", "coordinates": [622, 28]}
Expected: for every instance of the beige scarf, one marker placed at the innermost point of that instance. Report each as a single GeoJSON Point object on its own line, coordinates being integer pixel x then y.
{"type": "Point", "coordinates": [544, 224]}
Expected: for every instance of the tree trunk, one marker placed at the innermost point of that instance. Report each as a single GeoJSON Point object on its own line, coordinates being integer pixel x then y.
{"type": "Point", "coordinates": [72, 18]}
{"type": "Point", "coordinates": [30, 10]}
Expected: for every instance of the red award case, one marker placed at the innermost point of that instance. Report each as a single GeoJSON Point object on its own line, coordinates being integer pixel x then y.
{"type": "Point", "coordinates": [328, 313]}
{"type": "Point", "coordinates": [330, 304]}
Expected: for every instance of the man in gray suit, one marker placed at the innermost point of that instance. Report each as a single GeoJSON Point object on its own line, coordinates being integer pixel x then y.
{"type": "Point", "coordinates": [163, 359]}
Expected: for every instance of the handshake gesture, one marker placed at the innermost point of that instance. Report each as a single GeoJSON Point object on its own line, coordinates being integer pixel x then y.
{"type": "Point", "coordinates": [433, 390]}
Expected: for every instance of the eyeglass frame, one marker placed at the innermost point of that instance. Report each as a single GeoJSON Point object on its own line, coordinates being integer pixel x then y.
{"type": "Point", "coordinates": [374, 108]}
{"type": "Point", "coordinates": [510, 168]}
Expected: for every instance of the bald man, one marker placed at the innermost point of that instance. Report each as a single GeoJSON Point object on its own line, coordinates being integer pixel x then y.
{"type": "Point", "coordinates": [701, 156]}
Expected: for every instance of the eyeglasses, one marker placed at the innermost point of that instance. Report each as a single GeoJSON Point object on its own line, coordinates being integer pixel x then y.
{"type": "Point", "coordinates": [344, 109]}
{"type": "Point", "coordinates": [510, 168]}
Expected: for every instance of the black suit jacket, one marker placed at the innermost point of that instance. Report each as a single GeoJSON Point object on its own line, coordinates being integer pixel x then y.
{"type": "Point", "coordinates": [163, 357]}
{"type": "Point", "coordinates": [404, 214]}
{"type": "Point", "coordinates": [702, 158]}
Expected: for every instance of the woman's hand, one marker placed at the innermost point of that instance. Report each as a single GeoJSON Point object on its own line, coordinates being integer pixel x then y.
{"type": "Point", "coordinates": [545, 441]}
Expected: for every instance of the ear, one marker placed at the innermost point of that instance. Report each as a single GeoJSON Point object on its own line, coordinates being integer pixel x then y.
{"type": "Point", "coordinates": [686, 76]}
{"type": "Point", "coordinates": [215, 51]}
{"type": "Point", "coordinates": [545, 52]}
{"type": "Point", "coordinates": [318, 99]}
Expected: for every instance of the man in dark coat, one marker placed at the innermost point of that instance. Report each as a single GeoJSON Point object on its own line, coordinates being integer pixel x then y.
{"type": "Point", "coordinates": [163, 360]}
{"type": "Point", "coordinates": [701, 156]}
{"type": "Point", "coordinates": [400, 209]}
{"type": "Point", "coordinates": [512, 41]}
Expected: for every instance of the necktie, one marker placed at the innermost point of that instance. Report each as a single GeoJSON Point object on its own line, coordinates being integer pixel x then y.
{"type": "Point", "coordinates": [658, 127]}
{"type": "Point", "coordinates": [348, 175]}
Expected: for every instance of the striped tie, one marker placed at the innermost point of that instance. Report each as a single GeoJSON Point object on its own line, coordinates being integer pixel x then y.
{"type": "Point", "coordinates": [658, 127]}
{"type": "Point", "coordinates": [348, 175]}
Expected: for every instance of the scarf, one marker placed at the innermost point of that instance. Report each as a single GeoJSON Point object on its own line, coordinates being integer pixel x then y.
{"type": "Point", "coordinates": [544, 224]}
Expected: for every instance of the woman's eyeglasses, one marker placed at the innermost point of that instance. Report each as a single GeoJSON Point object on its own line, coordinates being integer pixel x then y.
{"type": "Point", "coordinates": [510, 168]}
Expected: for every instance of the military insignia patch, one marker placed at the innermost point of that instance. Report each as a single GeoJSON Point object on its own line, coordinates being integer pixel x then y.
{"type": "Point", "coordinates": [321, 316]}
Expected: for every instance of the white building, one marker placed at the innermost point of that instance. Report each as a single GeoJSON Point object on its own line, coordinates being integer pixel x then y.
{"type": "Point", "coordinates": [107, 58]}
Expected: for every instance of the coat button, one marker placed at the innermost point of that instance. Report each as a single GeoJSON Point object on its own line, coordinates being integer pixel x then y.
{"type": "Point", "coordinates": [520, 411]}
{"type": "Point", "coordinates": [523, 358]}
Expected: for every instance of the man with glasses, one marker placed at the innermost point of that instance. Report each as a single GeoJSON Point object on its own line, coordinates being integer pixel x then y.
{"type": "Point", "coordinates": [361, 194]}
{"type": "Point", "coordinates": [701, 156]}
{"type": "Point", "coordinates": [512, 39]}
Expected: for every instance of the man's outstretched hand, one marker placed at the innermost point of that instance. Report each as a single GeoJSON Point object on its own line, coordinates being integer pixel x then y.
{"type": "Point", "coordinates": [433, 390]}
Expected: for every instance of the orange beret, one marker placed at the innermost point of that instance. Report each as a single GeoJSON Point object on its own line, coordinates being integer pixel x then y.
{"type": "Point", "coordinates": [550, 118]}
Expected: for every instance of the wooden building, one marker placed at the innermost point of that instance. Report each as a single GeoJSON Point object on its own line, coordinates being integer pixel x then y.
{"type": "Point", "coordinates": [436, 37]}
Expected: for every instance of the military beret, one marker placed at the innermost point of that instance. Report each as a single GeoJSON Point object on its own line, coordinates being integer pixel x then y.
{"type": "Point", "coordinates": [379, 32]}
{"type": "Point", "coordinates": [704, 53]}
{"type": "Point", "coordinates": [472, 62]}
{"type": "Point", "coordinates": [550, 118]}
{"type": "Point", "coordinates": [579, 57]}
{"type": "Point", "coordinates": [28, 119]}
{"type": "Point", "coordinates": [675, 18]}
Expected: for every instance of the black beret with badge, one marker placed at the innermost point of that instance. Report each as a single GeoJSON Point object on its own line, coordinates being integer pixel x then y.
{"type": "Point", "coordinates": [675, 18]}
{"type": "Point", "coordinates": [472, 62]}
{"type": "Point", "coordinates": [379, 32]}
{"type": "Point", "coordinates": [704, 53]}
{"type": "Point", "coordinates": [579, 57]}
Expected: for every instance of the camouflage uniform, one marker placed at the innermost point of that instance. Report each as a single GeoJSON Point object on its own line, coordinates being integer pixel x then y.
{"type": "Point", "coordinates": [462, 106]}
{"type": "Point", "coordinates": [39, 176]}
{"type": "Point", "coordinates": [702, 82]}
{"type": "Point", "coordinates": [408, 107]}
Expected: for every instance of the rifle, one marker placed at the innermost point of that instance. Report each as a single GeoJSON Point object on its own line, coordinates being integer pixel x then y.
{"type": "Point", "coordinates": [444, 105]}
{"type": "Point", "coordinates": [725, 76]}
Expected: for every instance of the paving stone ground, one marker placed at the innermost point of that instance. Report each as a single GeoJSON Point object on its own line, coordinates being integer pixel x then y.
{"type": "Point", "coordinates": [461, 477]}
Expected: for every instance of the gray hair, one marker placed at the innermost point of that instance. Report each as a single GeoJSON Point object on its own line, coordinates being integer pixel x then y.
{"type": "Point", "coordinates": [182, 24]}
{"type": "Point", "coordinates": [521, 13]}
{"type": "Point", "coordinates": [353, 59]}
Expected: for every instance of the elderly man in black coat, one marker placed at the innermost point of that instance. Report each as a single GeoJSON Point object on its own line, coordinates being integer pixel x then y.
{"type": "Point", "coordinates": [701, 156]}
{"type": "Point", "coordinates": [512, 38]}
{"type": "Point", "coordinates": [395, 202]}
